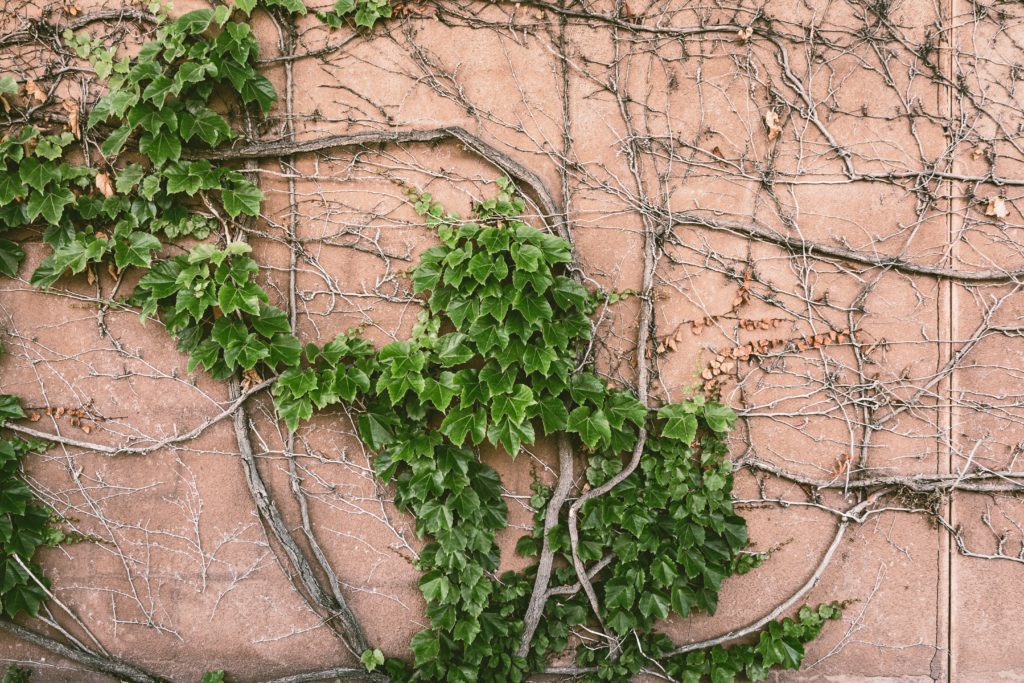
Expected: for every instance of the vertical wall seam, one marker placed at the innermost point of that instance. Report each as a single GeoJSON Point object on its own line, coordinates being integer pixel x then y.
{"type": "Point", "coordinates": [945, 543]}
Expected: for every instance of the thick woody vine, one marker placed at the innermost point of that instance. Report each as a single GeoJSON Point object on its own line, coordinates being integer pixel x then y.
{"type": "Point", "coordinates": [502, 355]}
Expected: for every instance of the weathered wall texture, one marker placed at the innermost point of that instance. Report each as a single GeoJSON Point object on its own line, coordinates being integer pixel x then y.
{"type": "Point", "coordinates": [864, 214]}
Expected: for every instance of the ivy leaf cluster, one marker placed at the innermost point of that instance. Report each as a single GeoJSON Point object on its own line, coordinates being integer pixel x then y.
{"type": "Point", "coordinates": [780, 644]}
{"type": "Point", "coordinates": [16, 674]}
{"type": "Point", "coordinates": [82, 225]}
{"type": "Point", "coordinates": [292, 6]}
{"type": "Point", "coordinates": [25, 523]}
{"type": "Point", "coordinates": [164, 92]}
{"type": "Point", "coordinates": [209, 300]}
{"type": "Point", "coordinates": [492, 362]}
{"type": "Point", "coordinates": [340, 371]}
{"type": "Point", "coordinates": [364, 13]}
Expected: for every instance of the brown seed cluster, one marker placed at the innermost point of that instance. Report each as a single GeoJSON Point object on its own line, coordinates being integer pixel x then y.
{"type": "Point", "coordinates": [82, 418]}
{"type": "Point", "coordinates": [726, 363]}
{"type": "Point", "coordinates": [669, 342]}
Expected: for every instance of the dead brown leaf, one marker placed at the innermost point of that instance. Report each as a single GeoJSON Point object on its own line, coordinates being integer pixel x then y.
{"type": "Point", "coordinates": [250, 378]}
{"type": "Point", "coordinates": [771, 122]}
{"type": "Point", "coordinates": [996, 207]}
{"type": "Point", "coordinates": [34, 91]}
{"type": "Point", "coordinates": [104, 185]}
{"type": "Point", "coordinates": [72, 108]}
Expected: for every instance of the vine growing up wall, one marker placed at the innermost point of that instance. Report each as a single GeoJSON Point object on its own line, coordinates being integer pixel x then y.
{"type": "Point", "coordinates": [157, 193]}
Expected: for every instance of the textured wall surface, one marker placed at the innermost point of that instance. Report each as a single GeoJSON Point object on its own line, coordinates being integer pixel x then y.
{"type": "Point", "coordinates": [837, 199]}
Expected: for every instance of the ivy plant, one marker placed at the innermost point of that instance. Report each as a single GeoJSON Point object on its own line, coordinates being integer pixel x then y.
{"type": "Point", "coordinates": [165, 91]}
{"type": "Point", "coordinates": [25, 523]}
{"type": "Point", "coordinates": [364, 13]}
{"type": "Point", "coordinates": [491, 363]}
{"type": "Point", "coordinates": [208, 300]}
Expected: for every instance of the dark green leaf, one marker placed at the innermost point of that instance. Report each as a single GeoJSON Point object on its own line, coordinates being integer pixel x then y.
{"type": "Point", "coordinates": [242, 197]}
{"type": "Point", "coordinates": [11, 256]}
{"type": "Point", "coordinates": [592, 426]}
{"type": "Point", "coordinates": [680, 422]}
{"type": "Point", "coordinates": [50, 204]}
{"type": "Point", "coordinates": [137, 250]}
{"type": "Point", "coordinates": [194, 22]}
{"type": "Point", "coordinates": [161, 147]}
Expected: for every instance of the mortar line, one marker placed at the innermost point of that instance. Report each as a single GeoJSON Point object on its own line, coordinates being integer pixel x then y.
{"type": "Point", "coordinates": [945, 542]}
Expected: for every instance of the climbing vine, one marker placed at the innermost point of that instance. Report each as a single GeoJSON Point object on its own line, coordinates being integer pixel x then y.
{"type": "Point", "coordinates": [496, 360]}
{"type": "Point", "coordinates": [25, 523]}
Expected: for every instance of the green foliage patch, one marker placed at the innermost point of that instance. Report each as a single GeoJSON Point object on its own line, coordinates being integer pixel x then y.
{"type": "Point", "coordinates": [25, 525]}
{"type": "Point", "coordinates": [364, 13]}
{"type": "Point", "coordinates": [493, 362]}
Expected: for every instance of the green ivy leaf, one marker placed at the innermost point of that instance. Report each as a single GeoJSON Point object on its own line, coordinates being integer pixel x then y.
{"type": "Point", "coordinates": [527, 257]}
{"type": "Point", "coordinates": [425, 647]}
{"type": "Point", "coordinates": [46, 274]}
{"type": "Point", "coordinates": [11, 187]}
{"type": "Point", "coordinates": [371, 659]}
{"type": "Point", "coordinates": [158, 90]}
{"type": "Point", "coordinates": [451, 349]}
{"type": "Point", "coordinates": [285, 349]}
{"type": "Point", "coordinates": [161, 147]}
{"type": "Point", "coordinates": [568, 293]}
{"type": "Point", "coordinates": [591, 425]}
{"type": "Point", "coordinates": [37, 174]}
{"type": "Point", "coordinates": [207, 124]}
{"type": "Point", "coordinates": [621, 406]}
{"type": "Point", "coordinates": [440, 391]}
{"type": "Point", "coordinates": [221, 14]}
{"type": "Point", "coordinates": [512, 406]}
{"type": "Point", "coordinates": [10, 409]}
{"type": "Point", "coordinates": [245, 296]}
{"type": "Point", "coordinates": [113, 144]}
{"type": "Point", "coordinates": [294, 411]}
{"type": "Point", "coordinates": [553, 414]}
{"type": "Point", "coordinates": [654, 605]}
{"type": "Point", "coordinates": [245, 352]}
{"type": "Point", "coordinates": [11, 256]}
{"type": "Point", "coordinates": [587, 387]}
{"type": "Point", "coordinates": [720, 418]}
{"type": "Point", "coordinates": [462, 421]}
{"type": "Point", "coordinates": [137, 250]}
{"type": "Point", "coordinates": [271, 320]}
{"type": "Point", "coordinates": [257, 88]}
{"type": "Point", "coordinates": [50, 204]}
{"type": "Point", "coordinates": [510, 435]}
{"type": "Point", "coordinates": [680, 422]}
{"type": "Point", "coordinates": [375, 430]}
{"type": "Point", "coordinates": [128, 177]}
{"type": "Point", "coordinates": [435, 586]}
{"type": "Point", "coordinates": [194, 22]}
{"type": "Point", "coordinates": [242, 197]}
{"type": "Point", "coordinates": [619, 594]}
